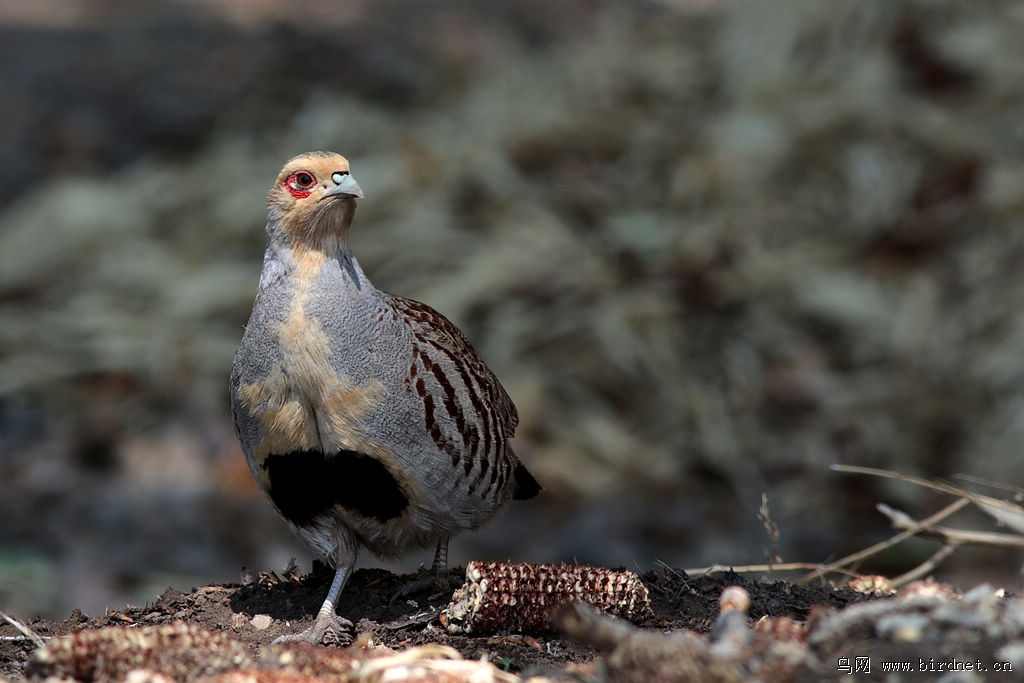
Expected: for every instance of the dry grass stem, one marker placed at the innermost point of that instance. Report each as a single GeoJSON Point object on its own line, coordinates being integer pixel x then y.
{"type": "Point", "coordinates": [858, 556]}
{"type": "Point", "coordinates": [755, 568]}
{"type": "Point", "coordinates": [772, 529]}
{"type": "Point", "coordinates": [1005, 512]}
{"type": "Point", "coordinates": [945, 487]}
{"type": "Point", "coordinates": [1018, 492]}
{"type": "Point", "coordinates": [23, 629]}
{"type": "Point", "coordinates": [950, 536]}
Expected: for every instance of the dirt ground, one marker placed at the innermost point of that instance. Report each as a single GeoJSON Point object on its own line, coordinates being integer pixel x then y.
{"type": "Point", "coordinates": [677, 602]}
{"type": "Point", "coordinates": [720, 627]}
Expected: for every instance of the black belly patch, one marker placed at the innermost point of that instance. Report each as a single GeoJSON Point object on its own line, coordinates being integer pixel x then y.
{"type": "Point", "coordinates": [306, 484]}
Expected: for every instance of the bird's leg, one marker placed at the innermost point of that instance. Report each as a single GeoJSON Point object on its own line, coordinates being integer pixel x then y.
{"type": "Point", "coordinates": [436, 578]}
{"type": "Point", "coordinates": [439, 568]}
{"type": "Point", "coordinates": [326, 619]}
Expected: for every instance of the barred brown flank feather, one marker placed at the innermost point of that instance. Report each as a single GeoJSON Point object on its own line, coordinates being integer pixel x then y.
{"type": "Point", "coordinates": [436, 335]}
{"type": "Point", "coordinates": [434, 322]}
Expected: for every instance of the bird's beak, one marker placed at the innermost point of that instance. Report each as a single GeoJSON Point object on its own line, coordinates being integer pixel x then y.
{"type": "Point", "coordinates": [348, 187]}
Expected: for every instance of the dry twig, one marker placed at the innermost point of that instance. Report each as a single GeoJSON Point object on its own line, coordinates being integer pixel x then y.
{"type": "Point", "coordinates": [888, 543]}
{"type": "Point", "coordinates": [772, 529]}
{"type": "Point", "coordinates": [23, 629]}
{"type": "Point", "coordinates": [1004, 512]}
{"type": "Point", "coordinates": [755, 568]}
{"type": "Point", "coordinates": [950, 536]}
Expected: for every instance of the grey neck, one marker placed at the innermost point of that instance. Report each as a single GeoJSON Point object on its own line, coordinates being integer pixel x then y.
{"type": "Point", "coordinates": [279, 261]}
{"type": "Point", "coordinates": [350, 267]}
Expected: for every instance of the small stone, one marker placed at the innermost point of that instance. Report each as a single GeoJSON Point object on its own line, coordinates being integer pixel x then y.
{"type": "Point", "coordinates": [261, 622]}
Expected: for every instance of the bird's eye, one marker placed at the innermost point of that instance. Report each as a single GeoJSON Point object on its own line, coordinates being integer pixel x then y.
{"type": "Point", "coordinates": [300, 184]}
{"type": "Point", "coordinates": [303, 180]}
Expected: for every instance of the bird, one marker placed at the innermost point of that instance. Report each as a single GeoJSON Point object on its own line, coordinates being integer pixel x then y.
{"type": "Point", "coordinates": [367, 418]}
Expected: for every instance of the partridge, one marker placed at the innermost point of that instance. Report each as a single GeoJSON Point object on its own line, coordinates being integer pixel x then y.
{"type": "Point", "coordinates": [366, 418]}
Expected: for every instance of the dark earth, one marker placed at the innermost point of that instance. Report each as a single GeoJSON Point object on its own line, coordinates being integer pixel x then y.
{"type": "Point", "coordinates": [723, 627]}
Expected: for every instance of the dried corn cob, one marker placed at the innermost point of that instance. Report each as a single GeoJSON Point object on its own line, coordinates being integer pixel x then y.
{"type": "Point", "coordinates": [519, 596]}
{"type": "Point", "coordinates": [177, 651]}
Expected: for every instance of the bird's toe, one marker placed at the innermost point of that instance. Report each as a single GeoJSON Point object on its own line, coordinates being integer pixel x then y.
{"type": "Point", "coordinates": [327, 629]}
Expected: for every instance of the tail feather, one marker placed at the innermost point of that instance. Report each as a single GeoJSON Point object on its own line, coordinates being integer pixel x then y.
{"type": "Point", "coordinates": [525, 485]}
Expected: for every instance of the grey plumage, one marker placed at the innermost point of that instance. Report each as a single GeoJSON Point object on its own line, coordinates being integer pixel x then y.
{"type": "Point", "coordinates": [367, 418]}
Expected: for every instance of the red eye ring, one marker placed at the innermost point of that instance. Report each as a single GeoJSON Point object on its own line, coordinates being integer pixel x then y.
{"type": "Point", "coordinates": [300, 184]}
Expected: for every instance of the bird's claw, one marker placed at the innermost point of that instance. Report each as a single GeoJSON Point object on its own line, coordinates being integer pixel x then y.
{"type": "Point", "coordinates": [327, 629]}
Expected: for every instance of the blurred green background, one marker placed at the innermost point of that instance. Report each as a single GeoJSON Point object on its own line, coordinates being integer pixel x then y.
{"type": "Point", "coordinates": [709, 247]}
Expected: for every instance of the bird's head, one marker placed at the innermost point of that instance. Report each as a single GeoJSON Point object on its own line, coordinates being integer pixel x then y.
{"type": "Point", "coordinates": [313, 200]}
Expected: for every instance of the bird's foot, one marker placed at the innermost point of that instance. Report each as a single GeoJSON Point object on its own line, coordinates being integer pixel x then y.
{"type": "Point", "coordinates": [432, 581]}
{"type": "Point", "coordinates": [327, 629]}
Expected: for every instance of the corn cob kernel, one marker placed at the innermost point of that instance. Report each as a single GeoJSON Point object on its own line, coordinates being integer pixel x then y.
{"type": "Point", "coordinates": [501, 596]}
{"type": "Point", "coordinates": [177, 651]}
